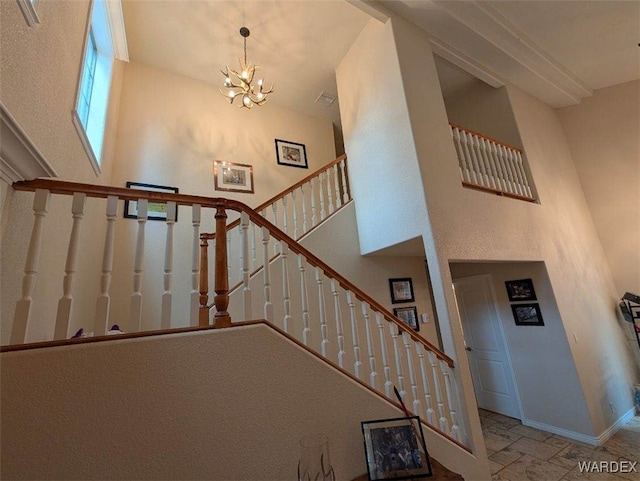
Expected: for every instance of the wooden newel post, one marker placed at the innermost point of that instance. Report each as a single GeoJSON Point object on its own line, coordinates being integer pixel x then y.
{"type": "Point", "coordinates": [221, 287]}
{"type": "Point", "coordinates": [203, 312]}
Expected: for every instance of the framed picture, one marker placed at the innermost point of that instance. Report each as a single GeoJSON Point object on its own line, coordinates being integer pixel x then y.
{"type": "Point", "coordinates": [401, 290]}
{"type": "Point", "coordinates": [521, 290]}
{"type": "Point", "coordinates": [527, 314]}
{"type": "Point", "coordinates": [395, 449]}
{"type": "Point", "coordinates": [232, 177]}
{"type": "Point", "coordinates": [291, 153]}
{"type": "Point", "coordinates": [155, 210]}
{"type": "Point", "coordinates": [408, 315]}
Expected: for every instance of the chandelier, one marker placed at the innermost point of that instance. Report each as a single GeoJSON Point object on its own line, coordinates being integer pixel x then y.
{"type": "Point", "coordinates": [239, 84]}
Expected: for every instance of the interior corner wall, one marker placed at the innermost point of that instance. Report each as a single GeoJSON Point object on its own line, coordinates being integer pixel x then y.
{"type": "Point", "coordinates": [547, 384]}
{"type": "Point", "coordinates": [170, 131]}
{"type": "Point", "coordinates": [40, 75]}
{"type": "Point", "coordinates": [383, 163]}
{"type": "Point", "coordinates": [603, 133]}
{"type": "Point", "coordinates": [486, 110]}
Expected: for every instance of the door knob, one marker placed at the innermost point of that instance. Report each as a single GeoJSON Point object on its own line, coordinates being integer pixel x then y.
{"type": "Point", "coordinates": [468, 348]}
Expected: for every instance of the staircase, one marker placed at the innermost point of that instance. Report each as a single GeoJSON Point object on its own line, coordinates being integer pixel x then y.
{"type": "Point", "coordinates": [261, 276]}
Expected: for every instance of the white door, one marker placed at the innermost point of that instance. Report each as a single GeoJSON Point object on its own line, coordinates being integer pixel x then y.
{"type": "Point", "coordinates": [493, 378]}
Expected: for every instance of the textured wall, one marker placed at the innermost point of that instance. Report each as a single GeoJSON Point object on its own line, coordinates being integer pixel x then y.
{"type": "Point", "coordinates": [603, 135]}
{"type": "Point", "coordinates": [211, 405]}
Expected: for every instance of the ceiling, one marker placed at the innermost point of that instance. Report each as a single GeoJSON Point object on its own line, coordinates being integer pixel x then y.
{"type": "Point", "coordinates": [558, 51]}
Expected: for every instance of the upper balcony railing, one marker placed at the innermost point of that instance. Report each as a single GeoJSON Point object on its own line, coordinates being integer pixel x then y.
{"type": "Point", "coordinates": [491, 166]}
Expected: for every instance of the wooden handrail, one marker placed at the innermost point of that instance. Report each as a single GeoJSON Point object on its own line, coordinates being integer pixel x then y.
{"type": "Point", "coordinates": [501, 193]}
{"type": "Point", "coordinates": [275, 198]}
{"type": "Point", "coordinates": [221, 204]}
{"type": "Point", "coordinates": [495, 141]}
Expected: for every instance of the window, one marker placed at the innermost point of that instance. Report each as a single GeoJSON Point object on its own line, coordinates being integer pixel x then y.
{"type": "Point", "coordinates": [105, 41]}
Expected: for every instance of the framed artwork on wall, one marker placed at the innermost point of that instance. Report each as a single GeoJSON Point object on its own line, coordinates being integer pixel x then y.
{"type": "Point", "coordinates": [291, 153]}
{"type": "Point", "coordinates": [401, 290]}
{"type": "Point", "coordinates": [521, 290]}
{"type": "Point", "coordinates": [232, 177]}
{"type": "Point", "coordinates": [155, 210]}
{"type": "Point", "coordinates": [408, 315]}
{"type": "Point", "coordinates": [527, 314]}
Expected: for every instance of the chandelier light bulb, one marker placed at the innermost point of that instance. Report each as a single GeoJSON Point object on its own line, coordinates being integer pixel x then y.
{"type": "Point", "coordinates": [239, 82]}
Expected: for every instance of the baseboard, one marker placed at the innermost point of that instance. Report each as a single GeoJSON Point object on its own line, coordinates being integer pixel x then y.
{"type": "Point", "coordinates": [593, 440]}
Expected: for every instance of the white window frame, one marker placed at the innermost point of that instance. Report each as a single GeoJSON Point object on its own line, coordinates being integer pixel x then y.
{"type": "Point", "coordinates": [29, 9]}
{"type": "Point", "coordinates": [106, 24]}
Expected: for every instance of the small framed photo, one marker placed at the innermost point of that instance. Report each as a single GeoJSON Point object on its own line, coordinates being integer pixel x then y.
{"type": "Point", "coordinates": [527, 314]}
{"type": "Point", "coordinates": [155, 210]}
{"type": "Point", "coordinates": [521, 290]}
{"type": "Point", "coordinates": [232, 177]}
{"type": "Point", "coordinates": [291, 153]}
{"type": "Point", "coordinates": [401, 290]}
{"type": "Point", "coordinates": [395, 449]}
{"type": "Point", "coordinates": [408, 315]}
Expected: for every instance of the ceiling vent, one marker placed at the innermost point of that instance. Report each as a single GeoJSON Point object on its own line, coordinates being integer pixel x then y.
{"type": "Point", "coordinates": [325, 99]}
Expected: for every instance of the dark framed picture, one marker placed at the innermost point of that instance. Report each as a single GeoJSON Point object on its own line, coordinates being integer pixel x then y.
{"type": "Point", "coordinates": [401, 290]}
{"type": "Point", "coordinates": [395, 449]}
{"type": "Point", "coordinates": [291, 153]}
{"type": "Point", "coordinates": [155, 210]}
{"type": "Point", "coordinates": [408, 315]}
{"type": "Point", "coordinates": [232, 177]}
{"type": "Point", "coordinates": [521, 290]}
{"type": "Point", "coordinates": [527, 314]}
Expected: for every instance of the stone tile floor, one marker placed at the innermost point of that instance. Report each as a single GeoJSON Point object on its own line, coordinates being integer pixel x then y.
{"type": "Point", "coordinates": [521, 453]}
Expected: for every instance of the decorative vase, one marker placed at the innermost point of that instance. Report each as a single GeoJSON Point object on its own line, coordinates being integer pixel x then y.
{"type": "Point", "coordinates": [314, 463]}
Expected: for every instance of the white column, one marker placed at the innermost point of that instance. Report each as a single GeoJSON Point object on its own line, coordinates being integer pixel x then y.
{"type": "Point", "coordinates": [354, 335]}
{"type": "Point", "coordinates": [336, 184]}
{"type": "Point", "coordinates": [135, 312]}
{"type": "Point", "coordinates": [373, 374]}
{"type": "Point", "coordinates": [396, 351]}
{"type": "Point", "coordinates": [23, 306]}
{"type": "Point", "coordinates": [286, 296]}
{"type": "Point", "coordinates": [304, 212]}
{"type": "Point", "coordinates": [246, 288]}
{"type": "Point", "coordinates": [103, 303]}
{"type": "Point", "coordinates": [323, 213]}
{"type": "Point", "coordinates": [295, 215]}
{"type": "Point", "coordinates": [385, 360]}
{"type": "Point", "coordinates": [330, 191]}
{"type": "Point", "coordinates": [268, 306]}
{"type": "Point", "coordinates": [338, 316]}
{"type": "Point", "coordinates": [314, 217]}
{"type": "Point", "coordinates": [64, 304]}
{"type": "Point", "coordinates": [165, 316]}
{"type": "Point", "coordinates": [455, 429]}
{"type": "Point", "coordinates": [304, 301]}
{"type": "Point", "coordinates": [345, 189]}
{"type": "Point", "coordinates": [444, 425]}
{"type": "Point", "coordinates": [322, 312]}
{"type": "Point", "coordinates": [425, 383]}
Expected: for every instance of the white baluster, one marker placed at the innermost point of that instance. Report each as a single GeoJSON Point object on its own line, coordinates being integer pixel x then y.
{"type": "Point", "coordinates": [64, 303]}
{"type": "Point", "coordinates": [425, 383]}
{"type": "Point", "coordinates": [285, 287]}
{"type": "Point", "coordinates": [165, 316]}
{"type": "Point", "coordinates": [254, 247]}
{"type": "Point", "coordinates": [23, 306]}
{"type": "Point", "coordinates": [491, 168]}
{"type": "Point", "coordinates": [304, 211]}
{"type": "Point", "coordinates": [511, 172]}
{"type": "Point", "coordinates": [354, 334]}
{"type": "Point", "coordinates": [295, 215]}
{"type": "Point", "coordinates": [304, 300]}
{"type": "Point", "coordinates": [103, 304]}
{"type": "Point", "coordinates": [321, 193]}
{"type": "Point", "coordinates": [455, 429]}
{"type": "Point", "coordinates": [406, 339]}
{"type": "Point", "coordinates": [336, 183]}
{"type": "Point", "coordinates": [462, 160]}
{"type": "Point", "coordinates": [229, 271]}
{"type": "Point", "coordinates": [373, 374]}
{"type": "Point", "coordinates": [385, 361]}
{"type": "Point", "coordinates": [244, 262]}
{"type": "Point", "coordinates": [345, 189]}
{"type": "Point", "coordinates": [486, 174]}
{"type": "Point", "coordinates": [274, 211]}
{"type": "Point", "coordinates": [195, 264]}
{"type": "Point", "coordinates": [135, 312]}
{"type": "Point", "coordinates": [285, 219]}
{"type": "Point", "coordinates": [393, 329]}
{"type": "Point", "coordinates": [338, 316]}
{"type": "Point", "coordinates": [444, 424]}
{"type": "Point", "coordinates": [322, 313]}
{"type": "Point", "coordinates": [476, 177]}
{"type": "Point", "coordinates": [329, 191]}
{"type": "Point", "coordinates": [502, 169]}
{"type": "Point", "coordinates": [268, 306]}
{"type": "Point", "coordinates": [522, 172]}
{"type": "Point", "coordinates": [314, 217]}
